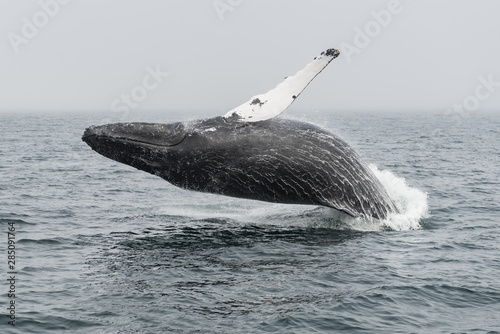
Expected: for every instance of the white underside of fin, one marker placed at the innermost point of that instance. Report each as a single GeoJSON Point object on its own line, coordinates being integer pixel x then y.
{"type": "Point", "coordinates": [274, 102]}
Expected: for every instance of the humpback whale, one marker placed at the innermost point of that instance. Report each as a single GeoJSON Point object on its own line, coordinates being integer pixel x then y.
{"type": "Point", "coordinates": [249, 153]}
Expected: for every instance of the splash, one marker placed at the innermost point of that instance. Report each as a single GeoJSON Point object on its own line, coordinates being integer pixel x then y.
{"type": "Point", "coordinates": [411, 202]}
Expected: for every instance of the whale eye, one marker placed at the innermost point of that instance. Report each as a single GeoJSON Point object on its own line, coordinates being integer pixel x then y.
{"type": "Point", "coordinates": [171, 134]}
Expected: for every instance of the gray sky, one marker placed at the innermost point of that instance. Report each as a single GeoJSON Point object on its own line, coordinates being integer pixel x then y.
{"type": "Point", "coordinates": [89, 55]}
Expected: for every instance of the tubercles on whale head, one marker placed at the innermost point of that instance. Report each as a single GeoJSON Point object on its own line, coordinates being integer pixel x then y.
{"type": "Point", "coordinates": [145, 133]}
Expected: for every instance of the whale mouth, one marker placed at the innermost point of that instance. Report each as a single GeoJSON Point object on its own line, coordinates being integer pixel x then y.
{"type": "Point", "coordinates": [147, 134]}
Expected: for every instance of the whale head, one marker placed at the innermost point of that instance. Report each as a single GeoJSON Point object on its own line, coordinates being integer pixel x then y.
{"type": "Point", "coordinates": [144, 146]}
{"type": "Point", "coordinates": [186, 154]}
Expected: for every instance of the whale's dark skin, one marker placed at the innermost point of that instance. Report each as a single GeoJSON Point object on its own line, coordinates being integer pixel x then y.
{"type": "Point", "coordinates": [275, 160]}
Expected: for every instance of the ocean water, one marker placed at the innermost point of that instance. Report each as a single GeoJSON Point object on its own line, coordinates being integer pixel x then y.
{"type": "Point", "coordinates": [103, 248]}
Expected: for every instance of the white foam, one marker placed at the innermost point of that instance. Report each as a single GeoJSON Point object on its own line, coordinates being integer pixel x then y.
{"type": "Point", "coordinates": [411, 202]}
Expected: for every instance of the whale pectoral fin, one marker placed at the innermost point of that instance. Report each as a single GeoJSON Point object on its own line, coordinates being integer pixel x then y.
{"type": "Point", "coordinates": [275, 101]}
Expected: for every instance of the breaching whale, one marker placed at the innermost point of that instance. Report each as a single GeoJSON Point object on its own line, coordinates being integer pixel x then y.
{"type": "Point", "coordinates": [248, 153]}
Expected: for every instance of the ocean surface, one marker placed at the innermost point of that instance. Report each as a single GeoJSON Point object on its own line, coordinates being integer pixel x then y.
{"type": "Point", "coordinates": [103, 248]}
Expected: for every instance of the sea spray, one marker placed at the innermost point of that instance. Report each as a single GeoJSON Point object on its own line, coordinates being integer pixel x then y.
{"type": "Point", "coordinates": [411, 202]}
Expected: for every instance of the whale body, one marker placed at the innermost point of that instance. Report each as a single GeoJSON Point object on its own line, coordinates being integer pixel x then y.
{"type": "Point", "coordinates": [249, 153]}
{"type": "Point", "coordinates": [276, 160]}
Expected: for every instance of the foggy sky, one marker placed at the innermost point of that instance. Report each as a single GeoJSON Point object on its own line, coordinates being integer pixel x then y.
{"type": "Point", "coordinates": [95, 55]}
